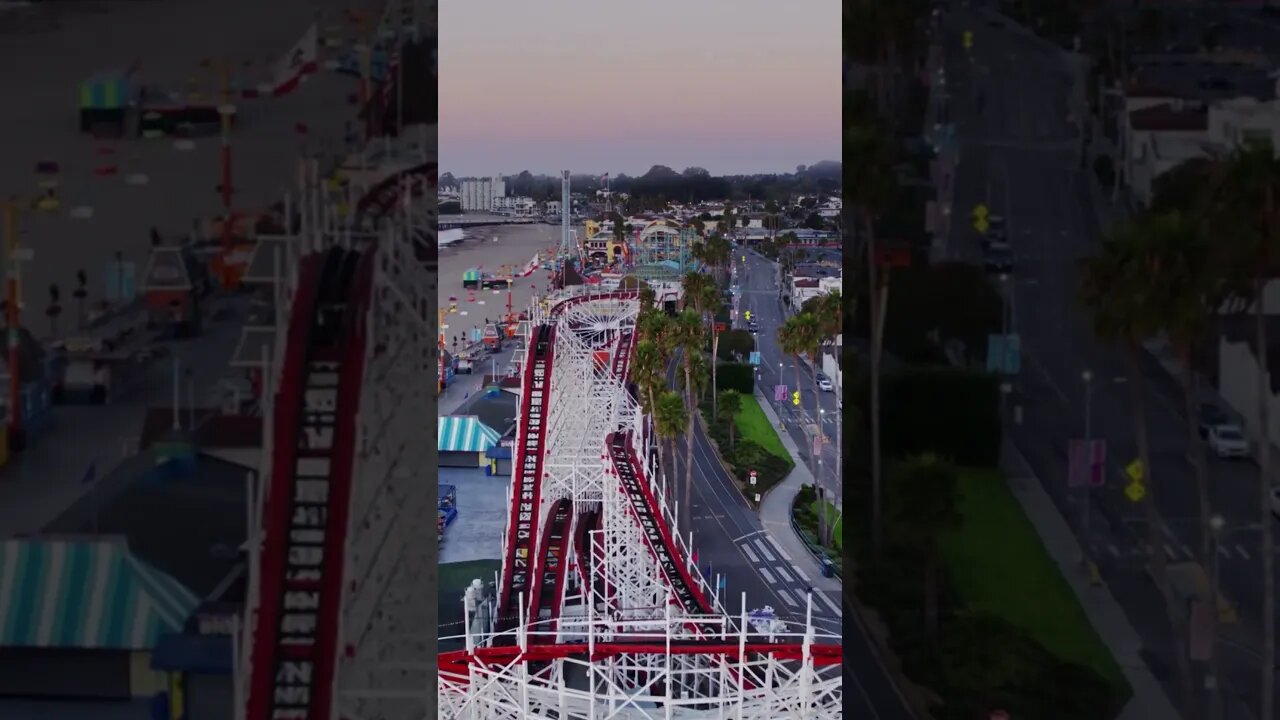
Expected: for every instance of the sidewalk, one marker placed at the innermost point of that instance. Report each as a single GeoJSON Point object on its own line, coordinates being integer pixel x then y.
{"type": "Point", "coordinates": [1106, 616]}
{"type": "Point", "coordinates": [775, 515]}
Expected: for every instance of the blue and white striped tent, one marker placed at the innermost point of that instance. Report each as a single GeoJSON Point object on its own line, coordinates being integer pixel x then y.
{"type": "Point", "coordinates": [464, 433]}
{"type": "Point", "coordinates": [85, 594]}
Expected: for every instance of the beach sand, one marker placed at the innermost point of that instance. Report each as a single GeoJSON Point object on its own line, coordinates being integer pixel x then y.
{"type": "Point", "coordinates": [515, 247]}
{"type": "Point", "coordinates": [47, 59]}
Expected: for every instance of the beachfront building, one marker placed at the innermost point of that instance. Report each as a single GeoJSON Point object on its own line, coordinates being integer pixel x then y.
{"type": "Point", "coordinates": [479, 195]}
{"type": "Point", "coordinates": [515, 206]}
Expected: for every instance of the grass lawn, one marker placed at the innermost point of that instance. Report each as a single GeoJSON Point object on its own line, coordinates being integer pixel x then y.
{"type": "Point", "coordinates": [753, 425]}
{"type": "Point", "coordinates": [999, 565]}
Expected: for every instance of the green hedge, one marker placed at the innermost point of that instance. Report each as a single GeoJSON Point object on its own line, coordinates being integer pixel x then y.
{"type": "Point", "coordinates": [736, 376]}
{"type": "Point", "coordinates": [735, 341]}
{"type": "Point", "coordinates": [953, 413]}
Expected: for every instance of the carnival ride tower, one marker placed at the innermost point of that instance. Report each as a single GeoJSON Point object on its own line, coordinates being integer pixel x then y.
{"type": "Point", "coordinates": [600, 612]}
{"type": "Point", "coordinates": [339, 579]}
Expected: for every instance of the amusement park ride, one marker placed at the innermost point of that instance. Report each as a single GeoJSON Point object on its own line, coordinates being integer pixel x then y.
{"type": "Point", "coordinates": [599, 610]}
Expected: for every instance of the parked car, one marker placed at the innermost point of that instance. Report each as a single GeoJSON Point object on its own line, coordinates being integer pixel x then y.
{"type": "Point", "coordinates": [998, 261]}
{"type": "Point", "coordinates": [1210, 416]}
{"type": "Point", "coordinates": [1227, 441]}
{"type": "Point", "coordinates": [824, 384]}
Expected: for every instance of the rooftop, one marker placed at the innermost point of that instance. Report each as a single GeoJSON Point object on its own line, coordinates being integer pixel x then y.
{"type": "Point", "coordinates": [1165, 118]}
{"type": "Point", "coordinates": [1198, 79]}
{"type": "Point", "coordinates": [189, 528]}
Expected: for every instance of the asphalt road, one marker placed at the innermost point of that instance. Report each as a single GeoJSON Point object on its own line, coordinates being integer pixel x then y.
{"type": "Point", "coordinates": [1019, 156]}
{"type": "Point", "coordinates": [758, 284]}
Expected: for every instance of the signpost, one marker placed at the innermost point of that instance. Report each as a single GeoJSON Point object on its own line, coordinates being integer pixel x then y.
{"type": "Point", "coordinates": [1004, 353]}
{"type": "Point", "coordinates": [779, 393]}
{"type": "Point", "coordinates": [1087, 463]}
{"type": "Point", "coordinates": [1136, 489]}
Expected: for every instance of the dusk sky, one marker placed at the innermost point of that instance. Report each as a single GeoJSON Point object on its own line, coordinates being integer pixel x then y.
{"type": "Point", "coordinates": [734, 86]}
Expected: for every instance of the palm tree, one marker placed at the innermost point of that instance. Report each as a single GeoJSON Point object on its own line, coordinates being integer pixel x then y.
{"type": "Point", "coordinates": [1115, 289]}
{"type": "Point", "coordinates": [703, 293]}
{"type": "Point", "coordinates": [687, 336]}
{"type": "Point", "coordinates": [924, 501]}
{"type": "Point", "coordinates": [869, 182]}
{"type": "Point", "coordinates": [670, 420]}
{"type": "Point", "coordinates": [730, 404]}
{"type": "Point", "coordinates": [648, 370]}
{"type": "Point", "coordinates": [797, 336]}
{"type": "Point", "coordinates": [1244, 207]}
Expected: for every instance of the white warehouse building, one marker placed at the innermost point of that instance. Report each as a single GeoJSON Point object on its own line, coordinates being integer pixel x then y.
{"type": "Point", "coordinates": [479, 195]}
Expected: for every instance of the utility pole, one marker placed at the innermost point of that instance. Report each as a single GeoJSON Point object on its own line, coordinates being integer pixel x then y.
{"type": "Point", "coordinates": [16, 433]}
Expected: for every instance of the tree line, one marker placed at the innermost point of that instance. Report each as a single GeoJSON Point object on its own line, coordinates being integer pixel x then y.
{"type": "Point", "coordinates": [661, 185]}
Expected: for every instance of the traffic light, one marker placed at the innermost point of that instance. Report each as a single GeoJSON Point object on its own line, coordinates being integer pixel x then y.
{"type": "Point", "coordinates": [747, 314]}
{"type": "Point", "coordinates": [795, 398]}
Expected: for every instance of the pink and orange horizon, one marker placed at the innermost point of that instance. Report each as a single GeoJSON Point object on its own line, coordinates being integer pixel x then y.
{"type": "Point", "coordinates": [733, 86]}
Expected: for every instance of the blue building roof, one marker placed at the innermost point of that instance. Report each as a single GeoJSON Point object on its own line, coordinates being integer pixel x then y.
{"type": "Point", "coordinates": [464, 433]}
{"type": "Point", "coordinates": [85, 594]}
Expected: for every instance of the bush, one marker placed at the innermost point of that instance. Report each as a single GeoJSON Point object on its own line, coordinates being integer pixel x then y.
{"type": "Point", "coordinates": [952, 413]}
{"type": "Point", "coordinates": [1104, 169]}
{"type": "Point", "coordinates": [735, 376]}
{"type": "Point", "coordinates": [735, 344]}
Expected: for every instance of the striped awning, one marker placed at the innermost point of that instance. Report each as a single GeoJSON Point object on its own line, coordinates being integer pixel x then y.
{"type": "Point", "coordinates": [464, 433]}
{"type": "Point", "coordinates": [107, 92]}
{"type": "Point", "coordinates": [85, 594]}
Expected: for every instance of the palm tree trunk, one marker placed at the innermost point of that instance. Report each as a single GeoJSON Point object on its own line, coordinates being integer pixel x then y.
{"type": "Point", "coordinates": [1155, 533]}
{"type": "Point", "coordinates": [688, 442]}
{"type": "Point", "coordinates": [715, 360]}
{"type": "Point", "coordinates": [1264, 493]}
{"type": "Point", "coordinates": [815, 463]}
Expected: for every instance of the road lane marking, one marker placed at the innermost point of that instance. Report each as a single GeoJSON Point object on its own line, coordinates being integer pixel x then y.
{"type": "Point", "coordinates": [1170, 552]}
{"type": "Point", "coordinates": [762, 547]}
{"type": "Point", "coordinates": [740, 538]}
{"type": "Point", "coordinates": [1224, 552]}
{"type": "Point", "coordinates": [781, 553]}
{"type": "Point", "coordinates": [784, 574]}
{"type": "Point", "coordinates": [768, 576]}
{"type": "Point", "coordinates": [750, 555]}
{"type": "Point", "coordinates": [1245, 553]}
{"type": "Point", "coordinates": [787, 598]}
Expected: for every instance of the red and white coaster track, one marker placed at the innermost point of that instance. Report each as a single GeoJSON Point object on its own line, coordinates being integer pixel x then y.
{"type": "Point", "coordinates": [600, 611]}
{"type": "Point", "coordinates": [340, 582]}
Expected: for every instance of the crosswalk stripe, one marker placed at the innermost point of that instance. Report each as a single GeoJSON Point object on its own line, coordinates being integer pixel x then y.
{"type": "Point", "coordinates": [1224, 552]}
{"type": "Point", "coordinates": [768, 576]}
{"type": "Point", "coordinates": [1169, 551]}
{"type": "Point", "coordinates": [784, 574]}
{"type": "Point", "coordinates": [1245, 553]}
{"type": "Point", "coordinates": [746, 548]}
{"type": "Point", "coordinates": [763, 548]}
{"type": "Point", "coordinates": [781, 553]}
{"type": "Point", "coordinates": [787, 598]}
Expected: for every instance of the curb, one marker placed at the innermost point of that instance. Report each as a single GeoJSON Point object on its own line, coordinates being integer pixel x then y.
{"type": "Point", "coordinates": [715, 450]}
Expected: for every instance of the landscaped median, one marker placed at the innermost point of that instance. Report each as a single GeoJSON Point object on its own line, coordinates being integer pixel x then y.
{"type": "Point", "coordinates": [1010, 632]}
{"type": "Point", "coordinates": [804, 515]}
{"type": "Point", "coordinates": [999, 565]}
{"type": "Point", "coordinates": [754, 446]}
